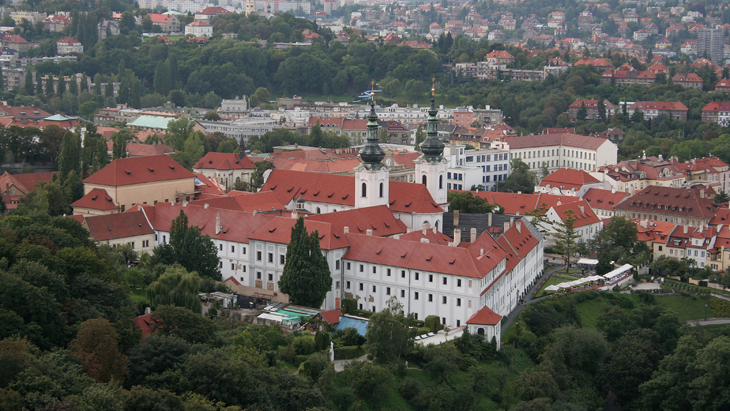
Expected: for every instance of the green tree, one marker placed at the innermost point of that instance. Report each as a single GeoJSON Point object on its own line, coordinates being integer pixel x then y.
{"type": "Point", "coordinates": [70, 157]}
{"type": "Point", "coordinates": [29, 82]}
{"type": "Point", "coordinates": [582, 112]}
{"type": "Point", "coordinates": [466, 202]}
{"type": "Point", "coordinates": [721, 198]}
{"type": "Point", "coordinates": [155, 355]}
{"type": "Point", "coordinates": [565, 237]}
{"type": "Point", "coordinates": [178, 132]}
{"type": "Point", "coordinates": [419, 137]}
{"type": "Point", "coordinates": [96, 345]}
{"type": "Point", "coordinates": [176, 287]}
{"type": "Point", "coordinates": [184, 324]}
{"type": "Point", "coordinates": [306, 277]}
{"type": "Point", "coordinates": [192, 250]}
{"type": "Point", "coordinates": [388, 336]}
{"type": "Point", "coordinates": [601, 110]}
{"type": "Point", "coordinates": [521, 179]}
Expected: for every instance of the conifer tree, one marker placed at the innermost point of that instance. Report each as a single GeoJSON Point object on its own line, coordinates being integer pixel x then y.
{"type": "Point", "coordinates": [69, 159]}
{"type": "Point", "coordinates": [565, 237]}
{"type": "Point", "coordinates": [61, 87]}
{"type": "Point", "coordinates": [306, 278]}
{"type": "Point", "coordinates": [73, 87]}
{"type": "Point", "coordinates": [601, 110]}
{"type": "Point", "coordinates": [49, 85]}
{"type": "Point", "coordinates": [38, 85]}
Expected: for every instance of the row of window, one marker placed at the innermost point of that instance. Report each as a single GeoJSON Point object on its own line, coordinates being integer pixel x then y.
{"type": "Point", "coordinates": [554, 152]}
{"type": "Point", "coordinates": [486, 158]}
{"type": "Point", "coordinates": [416, 294]}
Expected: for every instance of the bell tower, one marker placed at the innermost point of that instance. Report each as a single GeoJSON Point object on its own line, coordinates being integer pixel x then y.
{"type": "Point", "coordinates": [250, 7]}
{"type": "Point", "coordinates": [431, 167]}
{"type": "Point", "coordinates": [372, 176]}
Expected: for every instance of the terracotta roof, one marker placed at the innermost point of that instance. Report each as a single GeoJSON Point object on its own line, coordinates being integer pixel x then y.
{"type": "Point", "coordinates": [160, 18]}
{"type": "Point", "coordinates": [682, 202]}
{"type": "Point", "coordinates": [263, 201]}
{"type": "Point", "coordinates": [326, 121]}
{"type": "Point", "coordinates": [513, 203]}
{"type": "Point", "coordinates": [484, 316]}
{"type": "Point", "coordinates": [138, 170]}
{"type": "Point", "coordinates": [198, 23]}
{"type": "Point", "coordinates": [224, 161]}
{"type": "Point", "coordinates": [213, 11]}
{"type": "Point", "coordinates": [24, 182]}
{"type": "Point", "coordinates": [336, 189]}
{"type": "Point", "coordinates": [141, 149]}
{"type": "Point", "coordinates": [353, 124]}
{"type": "Point", "coordinates": [432, 235]}
{"type": "Point", "coordinates": [542, 140]}
{"type": "Point", "coordinates": [717, 106]}
{"type": "Point", "coordinates": [278, 230]}
{"type": "Point", "coordinates": [583, 217]}
{"type": "Point", "coordinates": [331, 316]}
{"type": "Point", "coordinates": [604, 199]}
{"type": "Point", "coordinates": [691, 77]}
{"type": "Point", "coordinates": [567, 179]}
{"type": "Point", "coordinates": [120, 225]}
{"type": "Point", "coordinates": [146, 324]}
{"type": "Point", "coordinates": [499, 54]}
{"type": "Point", "coordinates": [659, 105]}
{"type": "Point", "coordinates": [96, 199]}
{"type": "Point", "coordinates": [379, 219]}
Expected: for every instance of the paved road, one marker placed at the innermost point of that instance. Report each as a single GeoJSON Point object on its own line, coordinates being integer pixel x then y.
{"type": "Point", "coordinates": [528, 298]}
{"type": "Point", "coordinates": [712, 321]}
{"type": "Point", "coordinates": [340, 364]}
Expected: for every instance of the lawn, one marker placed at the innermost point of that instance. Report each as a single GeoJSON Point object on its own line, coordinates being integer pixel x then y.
{"type": "Point", "coordinates": [590, 310]}
{"type": "Point", "coordinates": [140, 296]}
{"type": "Point", "coordinates": [686, 307]}
{"type": "Point", "coordinates": [557, 279]}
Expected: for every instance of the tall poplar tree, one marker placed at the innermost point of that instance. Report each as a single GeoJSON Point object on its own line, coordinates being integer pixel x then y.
{"type": "Point", "coordinates": [69, 159]}
{"type": "Point", "coordinates": [192, 250]}
{"type": "Point", "coordinates": [306, 278]}
{"type": "Point", "coordinates": [29, 82]}
{"type": "Point", "coordinates": [566, 236]}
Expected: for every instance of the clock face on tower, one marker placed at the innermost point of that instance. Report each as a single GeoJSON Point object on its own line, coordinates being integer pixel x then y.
{"type": "Point", "coordinates": [388, 162]}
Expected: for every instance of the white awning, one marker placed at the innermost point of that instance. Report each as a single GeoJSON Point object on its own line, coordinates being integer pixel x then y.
{"type": "Point", "coordinates": [587, 261]}
{"type": "Point", "coordinates": [617, 272]}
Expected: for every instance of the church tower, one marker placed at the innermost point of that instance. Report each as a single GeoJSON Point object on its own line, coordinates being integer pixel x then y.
{"type": "Point", "coordinates": [250, 7]}
{"type": "Point", "coordinates": [371, 177]}
{"type": "Point", "coordinates": [431, 166]}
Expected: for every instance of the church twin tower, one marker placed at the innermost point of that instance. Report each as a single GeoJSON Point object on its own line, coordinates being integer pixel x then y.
{"type": "Point", "coordinates": [372, 179]}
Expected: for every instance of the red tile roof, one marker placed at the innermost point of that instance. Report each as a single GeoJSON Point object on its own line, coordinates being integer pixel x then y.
{"type": "Point", "coordinates": [336, 189]}
{"type": "Point", "coordinates": [499, 54]}
{"type": "Point", "coordinates": [213, 11]}
{"type": "Point", "coordinates": [145, 323]}
{"type": "Point", "coordinates": [432, 235]}
{"type": "Point", "coordinates": [659, 105]}
{"type": "Point", "coordinates": [484, 316]}
{"type": "Point", "coordinates": [160, 18]}
{"type": "Point", "coordinates": [513, 203]}
{"type": "Point", "coordinates": [690, 77]}
{"type": "Point", "coordinates": [224, 161]}
{"type": "Point", "coordinates": [604, 199]}
{"type": "Point", "coordinates": [278, 230]}
{"type": "Point", "coordinates": [583, 216]}
{"type": "Point", "coordinates": [568, 179]}
{"type": "Point", "coordinates": [379, 219]}
{"type": "Point", "coordinates": [263, 201]}
{"type": "Point", "coordinates": [717, 106]}
{"type": "Point", "coordinates": [138, 170]}
{"type": "Point", "coordinates": [70, 41]}
{"type": "Point", "coordinates": [332, 316]}
{"type": "Point", "coordinates": [24, 182]}
{"type": "Point", "coordinates": [116, 226]}
{"type": "Point", "coordinates": [568, 140]}
{"type": "Point", "coordinates": [96, 199]}
{"type": "Point", "coordinates": [681, 202]}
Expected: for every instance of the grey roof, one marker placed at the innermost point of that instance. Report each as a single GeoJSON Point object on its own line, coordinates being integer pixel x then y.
{"type": "Point", "coordinates": [467, 221]}
{"type": "Point", "coordinates": [146, 121]}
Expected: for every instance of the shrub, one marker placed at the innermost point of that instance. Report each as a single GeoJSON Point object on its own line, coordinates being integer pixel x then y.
{"type": "Point", "coordinates": [350, 352]}
{"type": "Point", "coordinates": [304, 345]}
{"type": "Point", "coordinates": [288, 354]}
{"type": "Point", "coordinates": [349, 305]}
{"type": "Point", "coordinates": [433, 323]}
{"type": "Point", "coordinates": [410, 388]}
{"type": "Point", "coordinates": [300, 359]}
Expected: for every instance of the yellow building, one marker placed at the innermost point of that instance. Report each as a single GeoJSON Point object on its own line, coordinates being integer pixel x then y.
{"type": "Point", "coordinates": [119, 229]}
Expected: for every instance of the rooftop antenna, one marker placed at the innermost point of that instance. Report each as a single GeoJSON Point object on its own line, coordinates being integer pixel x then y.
{"type": "Point", "coordinates": [372, 90]}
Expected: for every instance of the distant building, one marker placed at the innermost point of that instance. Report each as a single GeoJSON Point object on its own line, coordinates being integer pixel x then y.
{"type": "Point", "coordinates": [199, 28]}
{"type": "Point", "coordinates": [688, 80]}
{"type": "Point", "coordinates": [234, 108]}
{"type": "Point", "coordinates": [168, 23]}
{"type": "Point", "coordinates": [710, 42]}
{"type": "Point", "coordinates": [68, 45]}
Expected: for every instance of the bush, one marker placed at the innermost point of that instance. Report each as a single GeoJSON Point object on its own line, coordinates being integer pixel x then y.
{"type": "Point", "coordinates": [349, 305]}
{"type": "Point", "coordinates": [300, 359]}
{"type": "Point", "coordinates": [424, 330]}
{"type": "Point", "coordinates": [347, 353]}
{"type": "Point", "coordinates": [410, 388]}
{"type": "Point", "coordinates": [288, 354]}
{"type": "Point", "coordinates": [304, 345]}
{"type": "Point", "coordinates": [433, 323]}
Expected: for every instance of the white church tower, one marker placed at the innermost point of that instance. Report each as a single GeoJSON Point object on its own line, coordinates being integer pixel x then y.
{"type": "Point", "coordinates": [371, 177]}
{"type": "Point", "coordinates": [431, 166]}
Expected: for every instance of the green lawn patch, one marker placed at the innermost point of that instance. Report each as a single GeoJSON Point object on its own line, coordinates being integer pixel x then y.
{"type": "Point", "coordinates": [717, 329]}
{"type": "Point", "coordinates": [138, 296]}
{"type": "Point", "coordinates": [686, 307]}
{"type": "Point", "coordinates": [591, 309]}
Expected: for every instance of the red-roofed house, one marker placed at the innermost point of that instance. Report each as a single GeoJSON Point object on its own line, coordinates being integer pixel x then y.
{"type": "Point", "coordinates": [669, 204]}
{"type": "Point", "coordinates": [13, 187]}
{"type": "Point", "coordinates": [499, 57]}
{"type": "Point", "coordinates": [168, 23]}
{"type": "Point", "coordinates": [200, 29]}
{"type": "Point", "coordinates": [587, 223]}
{"type": "Point", "coordinates": [487, 323]}
{"type": "Point", "coordinates": [591, 107]}
{"type": "Point", "coordinates": [723, 86]}
{"type": "Point", "coordinates": [717, 112]}
{"type": "Point", "coordinates": [565, 181]}
{"type": "Point", "coordinates": [95, 202]}
{"type": "Point", "coordinates": [688, 80]}
{"type": "Point", "coordinates": [143, 180]}
{"type": "Point", "coordinates": [56, 22]}
{"type": "Point", "coordinates": [627, 77]}
{"type": "Point", "coordinates": [68, 45]}
{"type": "Point", "coordinates": [208, 13]}
{"type": "Point", "coordinates": [261, 202]}
{"type": "Point", "coordinates": [115, 230]}
{"type": "Point", "coordinates": [226, 168]}
{"type": "Point", "coordinates": [653, 109]}
{"type": "Point", "coordinates": [603, 202]}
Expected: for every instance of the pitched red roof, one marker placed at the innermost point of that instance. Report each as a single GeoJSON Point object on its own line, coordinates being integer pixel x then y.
{"type": "Point", "coordinates": [717, 106]}
{"type": "Point", "coordinates": [659, 105]}
{"type": "Point", "coordinates": [146, 324]}
{"type": "Point", "coordinates": [278, 230]}
{"type": "Point", "coordinates": [120, 225]}
{"type": "Point", "coordinates": [605, 199]}
{"type": "Point", "coordinates": [682, 202]}
{"type": "Point", "coordinates": [160, 18]}
{"type": "Point", "coordinates": [568, 140]}
{"type": "Point", "coordinates": [213, 11]}
{"type": "Point", "coordinates": [582, 213]}
{"type": "Point", "coordinates": [263, 201]}
{"type": "Point", "coordinates": [337, 189]}
{"type": "Point", "coordinates": [96, 199]}
{"type": "Point", "coordinates": [224, 161]}
{"type": "Point", "coordinates": [484, 316]}
{"type": "Point", "coordinates": [513, 203]}
{"type": "Point", "coordinates": [199, 23]}
{"type": "Point", "coordinates": [138, 170]}
{"type": "Point", "coordinates": [332, 316]}
{"type": "Point", "coordinates": [68, 41]}
{"type": "Point", "coordinates": [567, 179]}
{"type": "Point", "coordinates": [432, 235]}
{"type": "Point", "coordinates": [500, 54]}
{"type": "Point", "coordinates": [379, 219]}
{"type": "Point", "coordinates": [24, 182]}
{"type": "Point", "coordinates": [690, 77]}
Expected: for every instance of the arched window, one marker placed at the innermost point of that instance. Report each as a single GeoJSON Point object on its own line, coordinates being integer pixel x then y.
{"type": "Point", "coordinates": [441, 182]}
{"type": "Point", "coordinates": [318, 211]}
{"type": "Point", "coordinates": [364, 190]}
{"type": "Point", "coordinates": [480, 331]}
{"type": "Point", "coordinates": [423, 180]}
{"type": "Point", "coordinates": [381, 190]}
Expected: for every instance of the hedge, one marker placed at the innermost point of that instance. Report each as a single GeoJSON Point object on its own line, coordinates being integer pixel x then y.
{"type": "Point", "coordinates": [350, 353]}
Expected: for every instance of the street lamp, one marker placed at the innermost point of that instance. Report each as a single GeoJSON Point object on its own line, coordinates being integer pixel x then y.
{"type": "Point", "coordinates": [705, 312]}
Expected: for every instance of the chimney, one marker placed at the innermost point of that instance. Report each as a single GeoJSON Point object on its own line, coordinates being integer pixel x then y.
{"type": "Point", "coordinates": [217, 223]}
{"type": "Point", "coordinates": [457, 237]}
{"type": "Point", "coordinates": [472, 235]}
{"type": "Point", "coordinates": [519, 192]}
{"type": "Point", "coordinates": [613, 190]}
{"type": "Point", "coordinates": [489, 219]}
{"type": "Point", "coordinates": [684, 228]}
{"type": "Point", "coordinates": [147, 311]}
{"type": "Point", "coordinates": [702, 226]}
{"type": "Point", "coordinates": [369, 231]}
{"type": "Point", "coordinates": [346, 229]}
{"type": "Point", "coordinates": [435, 230]}
{"type": "Point", "coordinates": [397, 236]}
{"type": "Point", "coordinates": [506, 226]}
{"type": "Point", "coordinates": [424, 240]}
{"type": "Point", "coordinates": [582, 209]}
{"type": "Point", "coordinates": [702, 193]}
{"type": "Point", "coordinates": [511, 221]}
{"type": "Point", "coordinates": [423, 231]}
{"type": "Point", "coordinates": [519, 226]}
{"type": "Point", "coordinates": [206, 205]}
{"type": "Point", "coordinates": [294, 214]}
{"type": "Point", "coordinates": [254, 212]}
{"type": "Point", "coordinates": [481, 252]}
{"type": "Point", "coordinates": [456, 218]}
